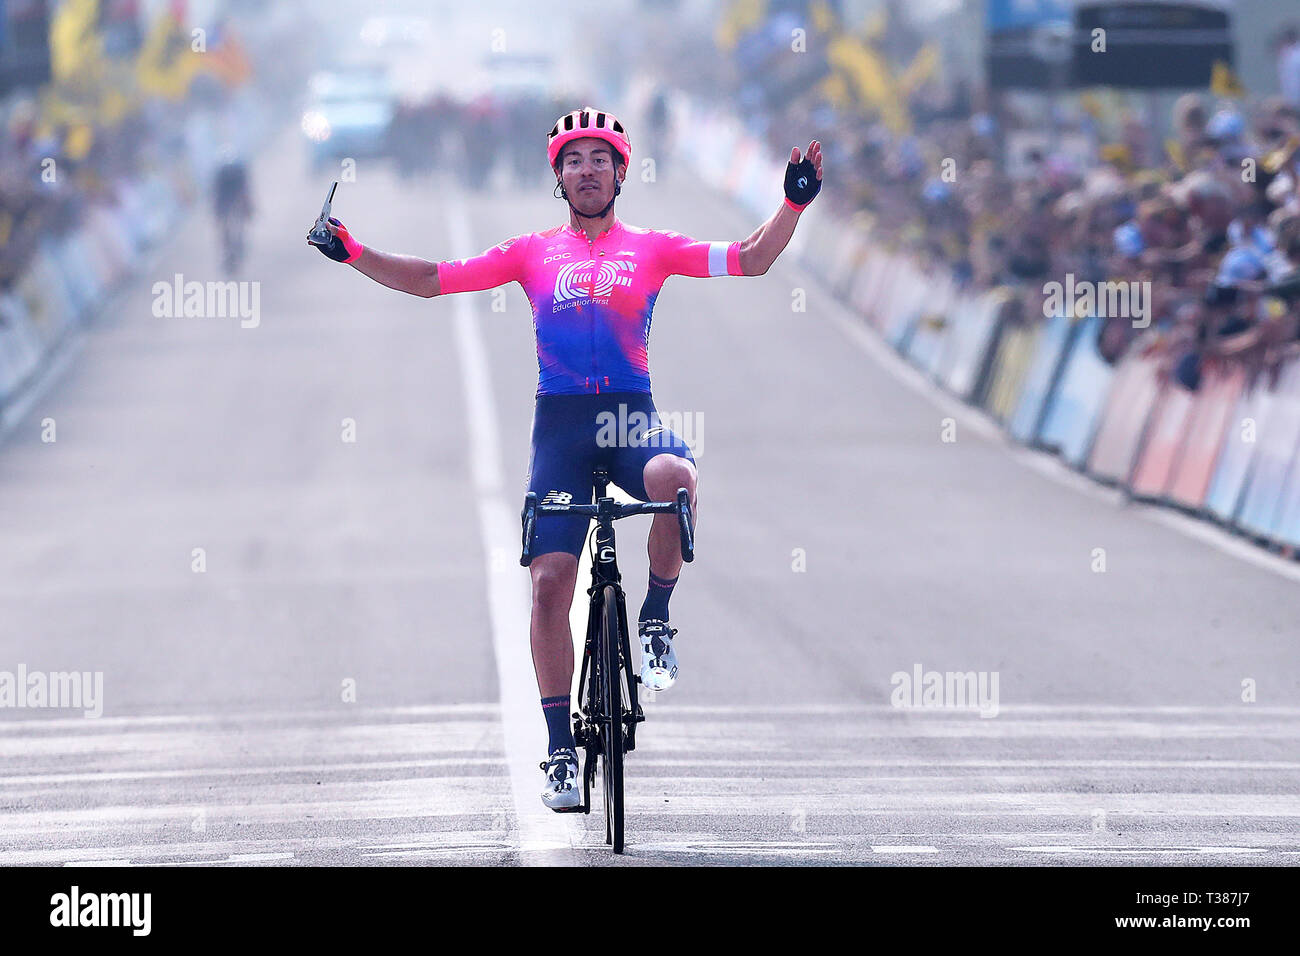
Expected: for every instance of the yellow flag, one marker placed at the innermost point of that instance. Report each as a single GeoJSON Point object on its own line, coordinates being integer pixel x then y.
{"type": "Point", "coordinates": [836, 91]}
{"type": "Point", "coordinates": [75, 47]}
{"type": "Point", "coordinates": [739, 17]}
{"type": "Point", "coordinates": [1176, 154]}
{"type": "Point", "coordinates": [871, 80]}
{"type": "Point", "coordinates": [166, 63]}
{"type": "Point", "coordinates": [1223, 82]}
{"type": "Point", "coordinates": [1117, 154]}
{"type": "Point", "coordinates": [923, 67]}
{"type": "Point", "coordinates": [822, 17]}
{"type": "Point", "coordinates": [1090, 104]}
{"type": "Point", "coordinates": [78, 141]}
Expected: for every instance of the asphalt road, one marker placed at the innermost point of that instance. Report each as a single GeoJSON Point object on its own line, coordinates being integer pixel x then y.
{"type": "Point", "coordinates": [347, 680]}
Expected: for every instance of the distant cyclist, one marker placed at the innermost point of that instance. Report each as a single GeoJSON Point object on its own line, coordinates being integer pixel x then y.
{"type": "Point", "coordinates": [592, 284]}
{"type": "Point", "coordinates": [657, 119]}
{"type": "Point", "coordinates": [232, 205]}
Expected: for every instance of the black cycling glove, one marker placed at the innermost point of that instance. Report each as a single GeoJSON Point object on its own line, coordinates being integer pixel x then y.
{"type": "Point", "coordinates": [801, 183]}
{"type": "Point", "coordinates": [342, 247]}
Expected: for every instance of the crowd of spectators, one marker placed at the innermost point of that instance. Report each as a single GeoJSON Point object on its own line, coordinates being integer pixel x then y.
{"type": "Point", "coordinates": [1208, 215]}
{"type": "Point", "coordinates": [67, 147]}
{"type": "Point", "coordinates": [51, 173]}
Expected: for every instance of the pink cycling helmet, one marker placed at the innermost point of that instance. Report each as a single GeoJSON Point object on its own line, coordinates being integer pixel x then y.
{"type": "Point", "coordinates": [588, 121]}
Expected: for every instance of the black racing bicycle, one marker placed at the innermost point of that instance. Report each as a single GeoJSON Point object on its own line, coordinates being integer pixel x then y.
{"type": "Point", "coordinates": [605, 725]}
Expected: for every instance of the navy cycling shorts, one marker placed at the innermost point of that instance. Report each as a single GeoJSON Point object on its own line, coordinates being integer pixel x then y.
{"type": "Point", "coordinates": [572, 434]}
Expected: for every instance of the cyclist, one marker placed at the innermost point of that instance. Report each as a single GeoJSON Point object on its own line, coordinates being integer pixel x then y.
{"type": "Point", "coordinates": [232, 202]}
{"type": "Point", "coordinates": [592, 283]}
{"type": "Point", "coordinates": [657, 119]}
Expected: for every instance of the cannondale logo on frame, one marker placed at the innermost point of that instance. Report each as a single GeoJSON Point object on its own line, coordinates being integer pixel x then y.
{"type": "Point", "coordinates": [573, 279]}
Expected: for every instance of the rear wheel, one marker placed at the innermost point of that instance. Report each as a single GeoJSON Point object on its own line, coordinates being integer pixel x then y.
{"type": "Point", "coordinates": [611, 690]}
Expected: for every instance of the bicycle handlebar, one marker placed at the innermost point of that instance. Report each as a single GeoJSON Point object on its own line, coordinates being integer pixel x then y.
{"type": "Point", "coordinates": [681, 507]}
{"type": "Point", "coordinates": [685, 525]}
{"type": "Point", "coordinates": [530, 521]}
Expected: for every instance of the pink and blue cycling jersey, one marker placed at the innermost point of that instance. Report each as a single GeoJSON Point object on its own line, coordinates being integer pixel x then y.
{"type": "Point", "coordinates": [592, 301]}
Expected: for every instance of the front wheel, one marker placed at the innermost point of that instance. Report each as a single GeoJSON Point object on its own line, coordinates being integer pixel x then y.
{"type": "Point", "coordinates": [611, 694]}
{"type": "Point", "coordinates": [232, 244]}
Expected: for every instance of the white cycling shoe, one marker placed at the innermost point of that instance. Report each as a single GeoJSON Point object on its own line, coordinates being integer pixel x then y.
{"type": "Point", "coordinates": [658, 660]}
{"type": "Point", "coordinates": [563, 790]}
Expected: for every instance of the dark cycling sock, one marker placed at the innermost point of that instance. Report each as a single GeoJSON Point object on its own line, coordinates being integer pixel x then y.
{"type": "Point", "coordinates": [656, 599]}
{"type": "Point", "coordinates": [556, 711]}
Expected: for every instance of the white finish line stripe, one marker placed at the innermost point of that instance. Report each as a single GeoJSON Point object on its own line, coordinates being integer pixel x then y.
{"type": "Point", "coordinates": [546, 838]}
{"type": "Point", "coordinates": [34, 723]}
{"type": "Point", "coordinates": [904, 849]}
{"type": "Point", "coordinates": [121, 862]}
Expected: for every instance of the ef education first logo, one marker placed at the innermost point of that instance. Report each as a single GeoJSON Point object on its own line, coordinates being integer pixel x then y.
{"type": "Point", "coordinates": [573, 279]}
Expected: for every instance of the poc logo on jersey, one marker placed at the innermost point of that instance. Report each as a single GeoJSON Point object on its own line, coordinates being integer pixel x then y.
{"type": "Point", "coordinates": [573, 279]}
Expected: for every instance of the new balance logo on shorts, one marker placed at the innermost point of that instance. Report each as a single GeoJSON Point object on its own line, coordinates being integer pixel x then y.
{"type": "Point", "coordinates": [557, 498]}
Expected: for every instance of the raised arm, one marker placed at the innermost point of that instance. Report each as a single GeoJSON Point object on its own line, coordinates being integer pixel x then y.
{"type": "Point", "coordinates": [760, 250]}
{"type": "Point", "coordinates": [409, 274]}
{"type": "Point", "coordinates": [416, 276]}
{"type": "Point", "coordinates": [403, 273]}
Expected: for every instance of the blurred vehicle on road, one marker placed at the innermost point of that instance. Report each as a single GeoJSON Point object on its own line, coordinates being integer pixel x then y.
{"type": "Point", "coordinates": [349, 114]}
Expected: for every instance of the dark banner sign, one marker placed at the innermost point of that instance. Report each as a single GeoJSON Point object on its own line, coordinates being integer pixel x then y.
{"type": "Point", "coordinates": [24, 43]}
{"type": "Point", "coordinates": [1052, 44]}
{"type": "Point", "coordinates": [1150, 45]}
{"type": "Point", "coordinates": [1028, 45]}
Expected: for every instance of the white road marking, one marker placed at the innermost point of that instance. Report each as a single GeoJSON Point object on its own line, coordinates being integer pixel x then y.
{"type": "Point", "coordinates": [345, 717]}
{"type": "Point", "coordinates": [445, 845]}
{"type": "Point", "coordinates": [1045, 463]}
{"type": "Point", "coordinates": [432, 850]}
{"type": "Point", "coordinates": [97, 863]}
{"type": "Point", "coordinates": [847, 796]}
{"type": "Point", "coordinates": [735, 846]}
{"type": "Point", "coordinates": [546, 838]}
{"type": "Point", "coordinates": [856, 763]}
{"type": "Point", "coordinates": [904, 849]}
{"type": "Point", "coordinates": [1218, 538]}
{"type": "Point", "coordinates": [811, 764]}
{"type": "Point", "coordinates": [718, 777]}
{"type": "Point", "coordinates": [32, 723]}
{"type": "Point", "coordinates": [238, 773]}
{"type": "Point", "coordinates": [1141, 849]}
{"type": "Point", "coordinates": [817, 710]}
